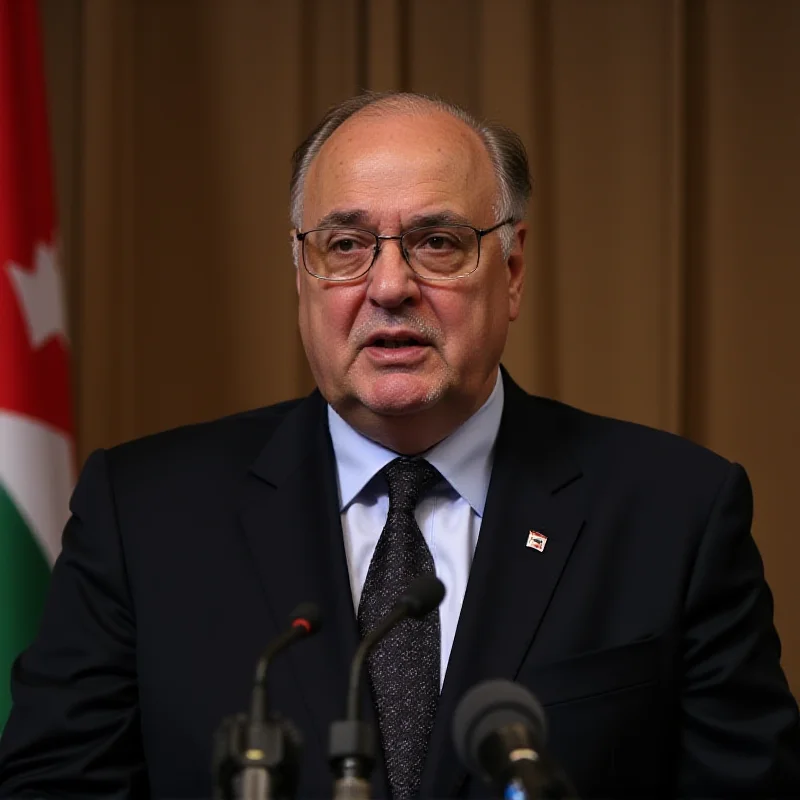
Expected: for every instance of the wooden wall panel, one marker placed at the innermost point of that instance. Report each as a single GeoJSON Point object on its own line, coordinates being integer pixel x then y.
{"type": "Point", "coordinates": [107, 321]}
{"type": "Point", "coordinates": [508, 92]}
{"type": "Point", "coordinates": [217, 101]}
{"type": "Point", "coordinates": [751, 381]}
{"type": "Point", "coordinates": [387, 34]}
{"type": "Point", "coordinates": [329, 44]}
{"type": "Point", "coordinates": [444, 49]}
{"type": "Point", "coordinates": [613, 227]}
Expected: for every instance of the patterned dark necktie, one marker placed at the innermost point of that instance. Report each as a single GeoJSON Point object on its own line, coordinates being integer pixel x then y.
{"type": "Point", "coordinates": [404, 667]}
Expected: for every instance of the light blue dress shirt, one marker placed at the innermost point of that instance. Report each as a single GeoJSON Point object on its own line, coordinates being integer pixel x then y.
{"type": "Point", "coordinates": [449, 516]}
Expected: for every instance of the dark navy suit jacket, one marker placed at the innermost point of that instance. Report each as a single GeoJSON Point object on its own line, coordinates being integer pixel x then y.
{"type": "Point", "coordinates": [644, 627]}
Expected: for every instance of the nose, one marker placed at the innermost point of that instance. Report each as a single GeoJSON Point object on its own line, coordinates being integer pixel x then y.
{"type": "Point", "coordinates": [391, 282]}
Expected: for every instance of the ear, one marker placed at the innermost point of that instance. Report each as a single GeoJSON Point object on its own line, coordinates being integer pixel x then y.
{"type": "Point", "coordinates": [516, 271]}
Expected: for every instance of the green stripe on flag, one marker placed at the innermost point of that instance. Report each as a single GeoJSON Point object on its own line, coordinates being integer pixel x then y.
{"type": "Point", "coordinates": [24, 575]}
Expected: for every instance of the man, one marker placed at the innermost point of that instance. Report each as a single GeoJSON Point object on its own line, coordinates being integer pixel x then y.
{"type": "Point", "coordinates": [607, 567]}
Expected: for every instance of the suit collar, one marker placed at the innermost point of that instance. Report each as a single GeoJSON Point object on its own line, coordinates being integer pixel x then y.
{"type": "Point", "coordinates": [296, 440]}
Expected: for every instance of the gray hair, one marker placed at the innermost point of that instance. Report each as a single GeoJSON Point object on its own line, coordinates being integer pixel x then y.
{"type": "Point", "coordinates": [505, 149]}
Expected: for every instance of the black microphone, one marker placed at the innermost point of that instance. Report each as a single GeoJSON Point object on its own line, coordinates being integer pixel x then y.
{"type": "Point", "coordinates": [257, 757]}
{"type": "Point", "coordinates": [303, 621]}
{"type": "Point", "coordinates": [352, 741]}
{"type": "Point", "coordinates": [499, 731]}
{"type": "Point", "coordinates": [422, 596]}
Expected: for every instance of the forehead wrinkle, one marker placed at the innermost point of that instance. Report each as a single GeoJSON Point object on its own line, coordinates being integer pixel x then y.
{"type": "Point", "coordinates": [386, 169]}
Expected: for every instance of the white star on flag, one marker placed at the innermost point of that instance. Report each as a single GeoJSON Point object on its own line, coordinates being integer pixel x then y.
{"type": "Point", "coordinates": [40, 295]}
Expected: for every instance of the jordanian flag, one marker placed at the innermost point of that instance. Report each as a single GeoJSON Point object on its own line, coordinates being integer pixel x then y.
{"type": "Point", "coordinates": [36, 446]}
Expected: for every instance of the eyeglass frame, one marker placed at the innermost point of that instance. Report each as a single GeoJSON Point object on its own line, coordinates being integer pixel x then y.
{"type": "Point", "coordinates": [479, 233]}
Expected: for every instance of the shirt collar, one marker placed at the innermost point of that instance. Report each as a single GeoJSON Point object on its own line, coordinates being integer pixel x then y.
{"type": "Point", "coordinates": [464, 458]}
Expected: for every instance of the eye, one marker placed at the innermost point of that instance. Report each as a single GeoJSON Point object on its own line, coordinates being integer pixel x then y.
{"type": "Point", "coordinates": [442, 241]}
{"type": "Point", "coordinates": [437, 242]}
{"type": "Point", "coordinates": [348, 243]}
{"type": "Point", "coordinates": [342, 245]}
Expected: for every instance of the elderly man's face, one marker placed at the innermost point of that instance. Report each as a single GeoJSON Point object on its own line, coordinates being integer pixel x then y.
{"type": "Point", "coordinates": [387, 173]}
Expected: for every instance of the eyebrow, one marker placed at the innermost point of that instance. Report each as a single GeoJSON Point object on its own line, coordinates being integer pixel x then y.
{"type": "Point", "coordinates": [360, 217]}
{"type": "Point", "coordinates": [437, 218]}
{"type": "Point", "coordinates": [355, 216]}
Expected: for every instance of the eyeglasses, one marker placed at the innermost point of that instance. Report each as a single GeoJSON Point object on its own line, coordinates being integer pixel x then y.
{"type": "Point", "coordinates": [434, 252]}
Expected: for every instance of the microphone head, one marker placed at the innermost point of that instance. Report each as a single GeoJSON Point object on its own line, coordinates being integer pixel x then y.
{"type": "Point", "coordinates": [489, 706]}
{"type": "Point", "coordinates": [422, 595]}
{"type": "Point", "coordinates": [306, 616]}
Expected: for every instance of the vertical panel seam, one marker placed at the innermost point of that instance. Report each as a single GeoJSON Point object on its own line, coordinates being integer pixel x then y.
{"type": "Point", "coordinates": [543, 198]}
{"type": "Point", "coordinates": [674, 374]}
{"type": "Point", "coordinates": [695, 218]}
{"type": "Point", "coordinates": [404, 49]}
{"type": "Point", "coordinates": [362, 37]}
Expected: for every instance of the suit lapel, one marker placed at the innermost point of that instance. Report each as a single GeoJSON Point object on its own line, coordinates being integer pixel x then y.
{"type": "Point", "coordinates": [535, 486]}
{"type": "Point", "coordinates": [290, 518]}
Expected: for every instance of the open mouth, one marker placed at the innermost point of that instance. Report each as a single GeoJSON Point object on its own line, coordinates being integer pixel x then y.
{"type": "Point", "coordinates": [396, 343]}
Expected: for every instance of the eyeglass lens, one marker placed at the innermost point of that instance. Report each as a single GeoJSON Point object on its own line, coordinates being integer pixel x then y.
{"type": "Point", "coordinates": [441, 251]}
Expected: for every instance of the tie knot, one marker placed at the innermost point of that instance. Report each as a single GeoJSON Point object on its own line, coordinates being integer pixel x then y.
{"type": "Point", "coordinates": [408, 479]}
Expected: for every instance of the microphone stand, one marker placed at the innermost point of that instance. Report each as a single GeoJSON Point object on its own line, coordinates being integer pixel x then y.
{"type": "Point", "coordinates": [256, 760]}
{"type": "Point", "coordinates": [351, 745]}
{"type": "Point", "coordinates": [352, 740]}
{"type": "Point", "coordinates": [257, 756]}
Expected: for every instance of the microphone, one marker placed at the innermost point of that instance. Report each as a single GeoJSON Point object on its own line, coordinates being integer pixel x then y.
{"type": "Point", "coordinates": [422, 596]}
{"type": "Point", "coordinates": [257, 757]}
{"type": "Point", "coordinates": [499, 732]}
{"type": "Point", "coordinates": [303, 621]}
{"type": "Point", "coordinates": [352, 742]}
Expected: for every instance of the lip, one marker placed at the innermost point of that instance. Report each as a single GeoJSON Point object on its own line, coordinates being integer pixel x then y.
{"type": "Point", "coordinates": [397, 356]}
{"type": "Point", "coordinates": [403, 357]}
{"type": "Point", "coordinates": [396, 334]}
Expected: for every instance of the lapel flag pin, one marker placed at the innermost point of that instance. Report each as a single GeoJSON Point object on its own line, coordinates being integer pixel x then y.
{"type": "Point", "coordinates": [537, 540]}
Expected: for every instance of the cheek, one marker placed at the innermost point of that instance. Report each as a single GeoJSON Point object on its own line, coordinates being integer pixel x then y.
{"type": "Point", "coordinates": [327, 314]}
{"type": "Point", "coordinates": [472, 321]}
{"type": "Point", "coordinates": [463, 318]}
{"type": "Point", "coordinates": [466, 312]}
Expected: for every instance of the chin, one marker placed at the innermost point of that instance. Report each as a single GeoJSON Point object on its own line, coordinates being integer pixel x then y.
{"type": "Point", "coordinates": [398, 395]}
